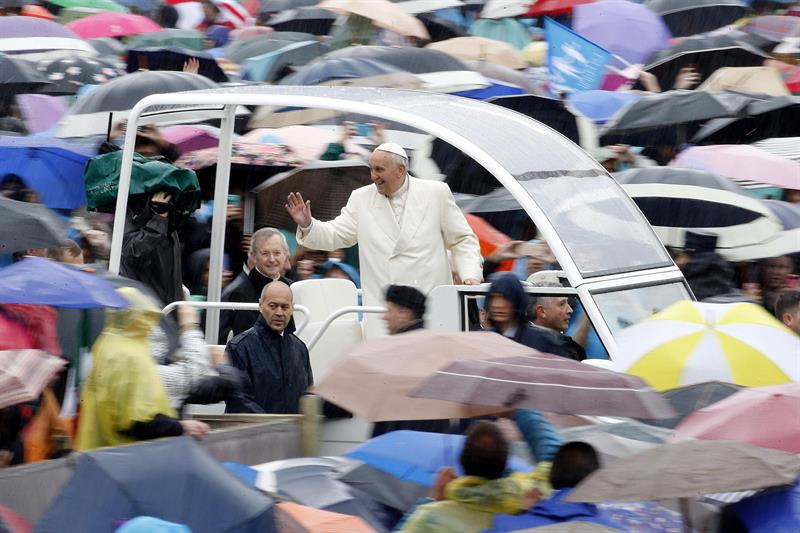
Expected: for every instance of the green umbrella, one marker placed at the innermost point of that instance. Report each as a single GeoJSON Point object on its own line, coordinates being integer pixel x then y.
{"type": "Point", "coordinates": [241, 49]}
{"type": "Point", "coordinates": [102, 180]}
{"type": "Point", "coordinates": [190, 39]}
{"type": "Point", "coordinates": [103, 5]}
{"type": "Point", "coordinates": [508, 30]}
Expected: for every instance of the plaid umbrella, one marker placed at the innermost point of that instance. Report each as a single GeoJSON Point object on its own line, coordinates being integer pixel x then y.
{"type": "Point", "coordinates": [69, 74]}
{"type": "Point", "coordinates": [24, 373]}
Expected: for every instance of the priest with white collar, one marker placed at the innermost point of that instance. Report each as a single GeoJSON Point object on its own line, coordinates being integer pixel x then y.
{"type": "Point", "coordinates": [404, 227]}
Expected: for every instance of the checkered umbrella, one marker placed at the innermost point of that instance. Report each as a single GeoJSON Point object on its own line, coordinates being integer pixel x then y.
{"type": "Point", "coordinates": [24, 373]}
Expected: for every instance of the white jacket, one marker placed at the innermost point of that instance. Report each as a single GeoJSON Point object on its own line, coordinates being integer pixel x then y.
{"type": "Point", "coordinates": [414, 254]}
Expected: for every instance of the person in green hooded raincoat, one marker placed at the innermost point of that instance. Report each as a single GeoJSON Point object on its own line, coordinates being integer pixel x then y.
{"type": "Point", "coordinates": [124, 400]}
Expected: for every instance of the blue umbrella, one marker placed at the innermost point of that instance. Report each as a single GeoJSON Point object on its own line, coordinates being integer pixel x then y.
{"type": "Point", "coordinates": [171, 479]}
{"type": "Point", "coordinates": [772, 511]}
{"type": "Point", "coordinates": [600, 106]}
{"type": "Point", "coordinates": [53, 168]}
{"type": "Point", "coordinates": [492, 91]}
{"type": "Point", "coordinates": [416, 456]}
{"type": "Point", "coordinates": [35, 280]}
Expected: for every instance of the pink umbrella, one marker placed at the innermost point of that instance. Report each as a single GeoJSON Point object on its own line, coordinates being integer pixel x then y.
{"type": "Point", "coordinates": [307, 142]}
{"type": "Point", "coordinates": [191, 138]}
{"type": "Point", "coordinates": [110, 24]}
{"type": "Point", "coordinates": [742, 162]}
{"type": "Point", "coordinates": [765, 416]}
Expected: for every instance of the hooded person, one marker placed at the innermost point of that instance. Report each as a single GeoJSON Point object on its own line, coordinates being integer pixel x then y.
{"type": "Point", "coordinates": [507, 306]}
{"type": "Point", "coordinates": [124, 399]}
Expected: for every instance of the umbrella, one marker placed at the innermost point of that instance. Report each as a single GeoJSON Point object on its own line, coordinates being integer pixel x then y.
{"type": "Point", "coordinates": [27, 225]}
{"type": "Point", "coordinates": [506, 30]}
{"type": "Point", "coordinates": [324, 70]}
{"type": "Point", "coordinates": [610, 24]}
{"type": "Point", "coordinates": [416, 456]}
{"type": "Point", "coordinates": [573, 526]}
{"type": "Point", "coordinates": [294, 518]}
{"type": "Point", "coordinates": [776, 117]}
{"type": "Point", "coordinates": [688, 469]}
{"type": "Point", "coordinates": [242, 153]}
{"type": "Point", "coordinates": [764, 416]}
{"type": "Point", "coordinates": [416, 7]}
{"type": "Point", "coordinates": [101, 5]}
{"type": "Point", "coordinates": [147, 175]}
{"type": "Point", "coordinates": [67, 75]}
{"type": "Point", "coordinates": [787, 241]}
{"type": "Point", "coordinates": [440, 28]}
{"type": "Point", "coordinates": [181, 483]}
{"type": "Point", "coordinates": [414, 60]}
{"type": "Point", "coordinates": [676, 199]}
{"type": "Point", "coordinates": [373, 381]}
{"type": "Point", "coordinates": [13, 522]}
{"type": "Point", "coordinates": [381, 13]}
{"type": "Point", "coordinates": [688, 17]}
{"type": "Point", "coordinates": [500, 73]}
{"type": "Point", "coordinates": [112, 25]}
{"type": "Point", "coordinates": [763, 80]}
{"type": "Point", "coordinates": [308, 19]}
{"type": "Point", "coordinates": [308, 142]}
{"type": "Point", "coordinates": [35, 280]}
{"type": "Point", "coordinates": [616, 441]}
{"type": "Point", "coordinates": [173, 58]}
{"type": "Point", "coordinates": [190, 138]}
{"type": "Point", "coordinates": [773, 27]}
{"type": "Point", "coordinates": [688, 399]}
{"type": "Point", "coordinates": [190, 39]}
{"type": "Point", "coordinates": [499, 9]}
{"type": "Point", "coordinates": [741, 162]}
{"type": "Point", "coordinates": [40, 111]}
{"type": "Point", "coordinates": [18, 76]}
{"type": "Point", "coordinates": [692, 342]}
{"type": "Point", "coordinates": [545, 382]}
{"type": "Point", "coordinates": [24, 374]}
{"type": "Point", "coordinates": [771, 511]}
{"type": "Point", "coordinates": [275, 6]}
{"type": "Point", "coordinates": [107, 47]}
{"type": "Point", "coordinates": [326, 184]}
{"type": "Point", "coordinates": [27, 35]}
{"type": "Point", "coordinates": [546, 110]}
{"type": "Point", "coordinates": [706, 53]}
{"type": "Point", "coordinates": [553, 7]}
{"type": "Point", "coordinates": [122, 93]}
{"type": "Point", "coordinates": [481, 49]}
{"type": "Point", "coordinates": [239, 50]}
{"type": "Point", "coordinates": [272, 66]}
{"type": "Point", "coordinates": [53, 168]}
{"type": "Point", "coordinates": [382, 486]}
{"type": "Point", "coordinates": [600, 106]}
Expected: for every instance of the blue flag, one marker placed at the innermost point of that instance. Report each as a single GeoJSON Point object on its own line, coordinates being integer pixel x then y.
{"type": "Point", "coordinates": [574, 62]}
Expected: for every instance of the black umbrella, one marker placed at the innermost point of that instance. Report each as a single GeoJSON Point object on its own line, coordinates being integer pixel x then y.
{"type": "Point", "coordinates": [776, 117]}
{"type": "Point", "coordinates": [172, 479]}
{"type": "Point", "coordinates": [706, 54]}
{"type": "Point", "coordinates": [123, 93]}
{"type": "Point", "coordinates": [413, 60]}
{"type": "Point", "coordinates": [241, 49]}
{"type": "Point", "coordinates": [69, 74]}
{"type": "Point", "coordinates": [546, 110]}
{"type": "Point", "coordinates": [174, 58]}
{"type": "Point", "coordinates": [346, 68]}
{"type": "Point", "coordinates": [311, 20]}
{"type": "Point", "coordinates": [441, 29]}
{"type": "Point", "coordinates": [686, 400]}
{"type": "Point", "coordinates": [668, 110]}
{"type": "Point", "coordinates": [19, 77]}
{"type": "Point", "coordinates": [688, 17]}
{"type": "Point", "coordinates": [107, 46]}
{"type": "Point", "coordinates": [26, 225]}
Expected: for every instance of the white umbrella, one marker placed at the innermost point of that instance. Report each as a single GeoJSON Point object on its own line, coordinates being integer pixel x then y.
{"type": "Point", "coordinates": [382, 13]}
{"type": "Point", "coordinates": [415, 7]}
{"type": "Point", "coordinates": [498, 9]}
{"type": "Point", "coordinates": [481, 49]}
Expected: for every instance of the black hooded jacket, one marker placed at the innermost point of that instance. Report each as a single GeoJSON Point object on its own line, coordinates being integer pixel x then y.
{"type": "Point", "coordinates": [539, 338]}
{"type": "Point", "coordinates": [276, 370]}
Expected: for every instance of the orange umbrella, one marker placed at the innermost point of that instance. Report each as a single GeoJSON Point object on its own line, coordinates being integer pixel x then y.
{"type": "Point", "coordinates": [294, 518]}
{"type": "Point", "coordinates": [31, 10]}
{"type": "Point", "coordinates": [489, 237]}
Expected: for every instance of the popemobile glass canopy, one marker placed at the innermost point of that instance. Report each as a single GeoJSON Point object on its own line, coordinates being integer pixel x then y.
{"type": "Point", "coordinates": [596, 232]}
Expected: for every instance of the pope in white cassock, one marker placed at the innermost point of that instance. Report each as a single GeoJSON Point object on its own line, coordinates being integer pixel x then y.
{"type": "Point", "coordinates": [404, 227]}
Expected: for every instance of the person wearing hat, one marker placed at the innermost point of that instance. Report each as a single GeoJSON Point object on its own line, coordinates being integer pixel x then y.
{"type": "Point", "coordinates": [404, 227]}
{"type": "Point", "coordinates": [405, 307]}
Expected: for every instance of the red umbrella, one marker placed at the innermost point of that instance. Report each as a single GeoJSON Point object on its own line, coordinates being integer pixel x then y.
{"type": "Point", "coordinates": [109, 24]}
{"type": "Point", "coordinates": [554, 7]}
{"type": "Point", "coordinates": [765, 416]}
{"type": "Point", "coordinates": [24, 373]}
{"type": "Point", "coordinates": [793, 80]}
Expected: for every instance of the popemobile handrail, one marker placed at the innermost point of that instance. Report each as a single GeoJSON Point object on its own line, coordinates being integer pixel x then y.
{"type": "Point", "coordinates": [338, 314]}
{"type": "Point", "coordinates": [238, 306]}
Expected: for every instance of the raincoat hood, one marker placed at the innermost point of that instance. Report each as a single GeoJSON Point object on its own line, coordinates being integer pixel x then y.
{"type": "Point", "coordinates": [135, 321]}
{"type": "Point", "coordinates": [509, 287]}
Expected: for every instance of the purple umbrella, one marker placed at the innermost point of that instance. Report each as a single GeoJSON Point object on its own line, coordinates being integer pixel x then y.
{"type": "Point", "coordinates": [630, 31]}
{"type": "Point", "coordinates": [41, 112]}
{"type": "Point", "coordinates": [29, 34]}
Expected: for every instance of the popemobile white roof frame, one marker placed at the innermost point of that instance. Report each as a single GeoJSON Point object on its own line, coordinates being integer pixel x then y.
{"type": "Point", "coordinates": [530, 160]}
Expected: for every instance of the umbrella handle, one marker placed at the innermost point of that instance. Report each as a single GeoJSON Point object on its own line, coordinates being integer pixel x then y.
{"type": "Point", "coordinates": [514, 398]}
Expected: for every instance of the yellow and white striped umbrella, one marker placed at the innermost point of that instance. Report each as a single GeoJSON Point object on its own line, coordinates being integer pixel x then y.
{"type": "Point", "coordinates": [692, 342]}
